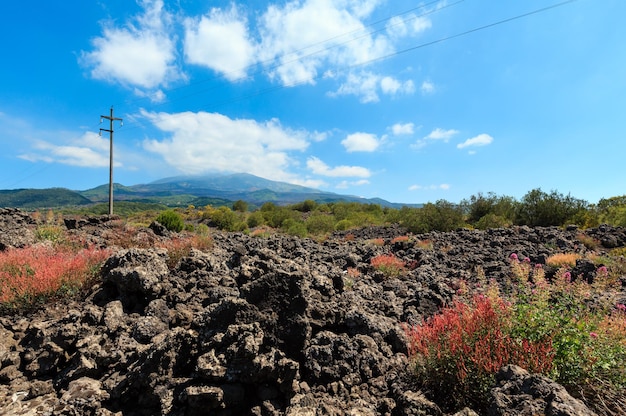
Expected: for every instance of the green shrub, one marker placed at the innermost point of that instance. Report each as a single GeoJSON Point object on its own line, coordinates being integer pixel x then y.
{"type": "Point", "coordinates": [255, 219]}
{"type": "Point", "coordinates": [540, 209]}
{"type": "Point", "coordinates": [492, 221]}
{"type": "Point", "coordinates": [549, 328]}
{"type": "Point", "coordinates": [240, 206]}
{"type": "Point", "coordinates": [305, 206]}
{"type": "Point", "coordinates": [171, 220]}
{"type": "Point", "coordinates": [224, 219]}
{"type": "Point", "coordinates": [318, 224]}
{"type": "Point", "coordinates": [297, 229]}
{"type": "Point", "coordinates": [500, 210]}
{"type": "Point", "coordinates": [343, 225]}
{"type": "Point", "coordinates": [441, 216]}
{"type": "Point", "coordinates": [53, 233]}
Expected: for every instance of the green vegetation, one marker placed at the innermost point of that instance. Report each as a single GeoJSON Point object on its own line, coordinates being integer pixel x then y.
{"type": "Point", "coordinates": [572, 332]}
{"type": "Point", "coordinates": [36, 198]}
{"type": "Point", "coordinates": [315, 219]}
{"type": "Point", "coordinates": [171, 220]}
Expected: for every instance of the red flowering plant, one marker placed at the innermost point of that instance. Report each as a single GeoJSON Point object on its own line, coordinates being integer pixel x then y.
{"type": "Point", "coordinates": [390, 265]}
{"type": "Point", "coordinates": [569, 330]}
{"type": "Point", "coordinates": [32, 274]}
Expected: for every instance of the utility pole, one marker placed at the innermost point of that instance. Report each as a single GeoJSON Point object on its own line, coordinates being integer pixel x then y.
{"type": "Point", "coordinates": [110, 130]}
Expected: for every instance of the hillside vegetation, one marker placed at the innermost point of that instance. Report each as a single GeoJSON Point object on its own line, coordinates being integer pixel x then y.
{"type": "Point", "coordinates": [311, 218]}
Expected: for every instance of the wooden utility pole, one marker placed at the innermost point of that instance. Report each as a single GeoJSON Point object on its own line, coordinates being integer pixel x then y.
{"type": "Point", "coordinates": [110, 130]}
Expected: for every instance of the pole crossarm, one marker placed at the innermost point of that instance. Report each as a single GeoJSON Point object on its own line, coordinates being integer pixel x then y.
{"type": "Point", "coordinates": [110, 130]}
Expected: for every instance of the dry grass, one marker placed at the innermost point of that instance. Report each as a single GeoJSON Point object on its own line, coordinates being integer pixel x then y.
{"type": "Point", "coordinates": [562, 260]}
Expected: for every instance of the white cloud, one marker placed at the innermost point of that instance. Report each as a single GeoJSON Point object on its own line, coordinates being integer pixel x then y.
{"type": "Point", "coordinates": [392, 86]}
{"type": "Point", "coordinates": [410, 25]}
{"type": "Point", "coordinates": [363, 85]}
{"type": "Point", "coordinates": [366, 86]}
{"type": "Point", "coordinates": [140, 54]}
{"type": "Point", "coordinates": [442, 187]}
{"type": "Point", "coordinates": [441, 134]}
{"type": "Point", "coordinates": [403, 129]}
{"type": "Point", "coordinates": [427, 87]}
{"type": "Point", "coordinates": [320, 168]}
{"type": "Point", "coordinates": [361, 142]}
{"type": "Point", "coordinates": [202, 141]}
{"type": "Point", "coordinates": [480, 140]}
{"type": "Point", "coordinates": [436, 135]}
{"type": "Point", "coordinates": [305, 36]}
{"type": "Point", "coordinates": [90, 150]}
{"type": "Point", "coordinates": [220, 41]}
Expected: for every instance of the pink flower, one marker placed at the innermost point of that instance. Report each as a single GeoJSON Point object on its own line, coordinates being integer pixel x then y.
{"type": "Point", "coordinates": [603, 270]}
{"type": "Point", "coordinates": [593, 335]}
{"type": "Point", "coordinates": [567, 276]}
{"type": "Point", "coordinates": [621, 307]}
{"type": "Point", "coordinates": [538, 266]}
{"type": "Point", "coordinates": [513, 256]}
{"type": "Point", "coordinates": [526, 260]}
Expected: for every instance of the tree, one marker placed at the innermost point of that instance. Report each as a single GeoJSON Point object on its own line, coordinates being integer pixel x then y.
{"type": "Point", "coordinates": [240, 206]}
{"type": "Point", "coordinates": [540, 209]}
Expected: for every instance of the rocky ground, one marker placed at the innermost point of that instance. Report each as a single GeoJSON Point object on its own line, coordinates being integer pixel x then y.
{"type": "Point", "coordinates": [261, 326]}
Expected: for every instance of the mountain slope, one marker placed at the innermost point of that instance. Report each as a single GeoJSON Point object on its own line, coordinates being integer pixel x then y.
{"type": "Point", "coordinates": [41, 198]}
{"type": "Point", "coordinates": [183, 191]}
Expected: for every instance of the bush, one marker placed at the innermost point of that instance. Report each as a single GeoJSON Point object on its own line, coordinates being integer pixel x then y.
{"type": "Point", "coordinates": [549, 328]}
{"type": "Point", "coordinates": [539, 209]}
{"type": "Point", "coordinates": [224, 219]}
{"type": "Point", "coordinates": [32, 275]}
{"type": "Point", "coordinates": [305, 206]}
{"type": "Point", "coordinates": [492, 221]}
{"type": "Point", "coordinates": [460, 350]}
{"type": "Point", "coordinates": [489, 211]}
{"type": "Point", "coordinates": [318, 224]}
{"type": "Point", "coordinates": [441, 216]}
{"type": "Point", "coordinates": [390, 265]}
{"type": "Point", "coordinates": [298, 229]}
{"type": "Point", "coordinates": [255, 219]}
{"type": "Point", "coordinates": [343, 225]}
{"type": "Point", "coordinates": [171, 220]}
{"type": "Point", "coordinates": [240, 206]}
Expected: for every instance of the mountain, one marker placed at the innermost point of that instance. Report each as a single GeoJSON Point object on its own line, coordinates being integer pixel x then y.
{"type": "Point", "coordinates": [185, 190]}
{"type": "Point", "coordinates": [41, 198]}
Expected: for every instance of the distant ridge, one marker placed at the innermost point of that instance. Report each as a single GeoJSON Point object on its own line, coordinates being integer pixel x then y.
{"type": "Point", "coordinates": [183, 191]}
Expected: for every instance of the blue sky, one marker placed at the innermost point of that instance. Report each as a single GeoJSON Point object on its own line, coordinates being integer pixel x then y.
{"type": "Point", "coordinates": [411, 102]}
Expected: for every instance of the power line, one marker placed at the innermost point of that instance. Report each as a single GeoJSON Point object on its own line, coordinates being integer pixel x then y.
{"type": "Point", "coordinates": [385, 57]}
{"type": "Point", "coordinates": [296, 53]}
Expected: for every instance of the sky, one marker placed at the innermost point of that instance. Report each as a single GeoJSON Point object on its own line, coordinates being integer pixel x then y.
{"type": "Point", "coordinates": [408, 101]}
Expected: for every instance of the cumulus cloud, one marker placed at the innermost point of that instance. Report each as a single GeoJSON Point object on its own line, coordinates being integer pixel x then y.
{"type": "Point", "coordinates": [367, 86]}
{"type": "Point", "coordinates": [427, 87]}
{"type": "Point", "coordinates": [436, 135]}
{"type": "Point", "coordinates": [361, 142]}
{"type": "Point", "coordinates": [318, 167]}
{"type": "Point", "coordinates": [410, 25]}
{"type": "Point", "coordinates": [403, 129]}
{"type": "Point", "coordinates": [199, 142]}
{"type": "Point", "coordinates": [480, 140]}
{"type": "Point", "coordinates": [220, 41]}
{"type": "Point", "coordinates": [139, 54]}
{"type": "Point", "coordinates": [305, 36]}
{"type": "Point", "coordinates": [90, 151]}
{"type": "Point", "coordinates": [441, 134]}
